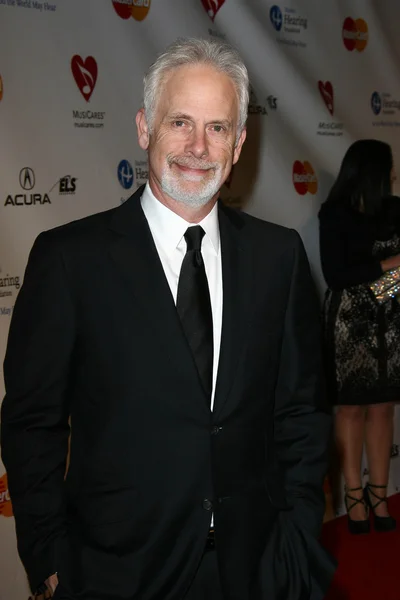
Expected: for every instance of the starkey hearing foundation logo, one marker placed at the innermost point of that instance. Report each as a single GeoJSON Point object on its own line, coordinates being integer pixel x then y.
{"type": "Point", "coordinates": [5, 501]}
{"type": "Point", "coordinates": [212, 7]}
{"type": "Point", "coordinates": [304, 178]}
{"type": "Point", "coordinates": [355, 34]}
{"type": "Point", "coordinates": [137, 9]}
{"type": "Point", "coordinates": [135, 173]}
{"type": "Point", "coordinates": [386, 109]}
{"type": "Point", "coordinates": [290, 26]}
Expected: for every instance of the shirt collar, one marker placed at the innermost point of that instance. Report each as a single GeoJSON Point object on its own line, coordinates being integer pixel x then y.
{"type": "Point", "coordinates": [169, 227]}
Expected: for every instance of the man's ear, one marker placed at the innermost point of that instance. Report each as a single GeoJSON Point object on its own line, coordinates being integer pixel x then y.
{"type": "Point", "coordinates": [142, 130]}
{"type": "Point", "coordinates": [238, 147]}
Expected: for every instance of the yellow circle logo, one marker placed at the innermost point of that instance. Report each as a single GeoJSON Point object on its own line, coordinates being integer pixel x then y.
{"type": "Point", "coordinates": [362, 34]}
{"type": "Point", "coordinates": [140, 8]}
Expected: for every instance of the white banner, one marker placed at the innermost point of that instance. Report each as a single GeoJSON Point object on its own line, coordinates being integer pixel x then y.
{"type": "Point", "coordinates": [71, 82]}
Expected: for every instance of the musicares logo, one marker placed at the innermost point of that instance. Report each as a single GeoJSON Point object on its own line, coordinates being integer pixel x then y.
{"type": "Point", "coordinates": [326, 91]}
{"type": "Point", "coordinates": [304, 179]}
{"type": "Point", "coordinates": [85, 74]}
{"type": "Point", "coordinates": [355, 34]}
{"type": "Point", "coordinates": [138, 9]}
{"type": "Point", "coordinates": [212, 7]}
{"type": "Point", "coordinates": [1, 88]}
{"type": "Point", "coordinates": [5, 502]}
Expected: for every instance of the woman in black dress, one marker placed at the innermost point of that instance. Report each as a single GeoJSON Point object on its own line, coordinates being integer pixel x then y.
{"type": "Point", "coordinates": [359, 242]}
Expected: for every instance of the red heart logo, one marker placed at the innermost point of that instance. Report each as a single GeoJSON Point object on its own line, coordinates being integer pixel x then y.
{"type": "Point", "coordinates": [123, 9]}
{"type": "Point", "coordinates": [326, 91]}
{"type": "Point", "coordinates": [212, 7]}
{"type": "Point", "coordinates": [85, 74]}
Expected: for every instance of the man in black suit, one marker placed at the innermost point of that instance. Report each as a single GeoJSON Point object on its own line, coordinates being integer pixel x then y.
{"type": "Point", "coordinates": [180, 340]}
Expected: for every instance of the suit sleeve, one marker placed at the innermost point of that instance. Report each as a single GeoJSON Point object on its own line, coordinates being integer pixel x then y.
{"type": "Point", "coordinates": [302, 423]}
{"type": "Point", "coordinates": [35, 412]}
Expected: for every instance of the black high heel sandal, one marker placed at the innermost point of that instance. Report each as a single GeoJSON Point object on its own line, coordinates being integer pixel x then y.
{"type": "Point", "coordinates": [380, 523]}
{"type": "Point", "coordinates": [356, 527]}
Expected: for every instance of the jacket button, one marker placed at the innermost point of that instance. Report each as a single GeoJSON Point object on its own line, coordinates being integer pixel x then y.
{"type": "Point", "coordinates": [215, 429]}
{"type": "Point", "coordinates": [207, 504]}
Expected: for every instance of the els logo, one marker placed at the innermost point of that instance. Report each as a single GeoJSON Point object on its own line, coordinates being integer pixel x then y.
{"type": "Point", "coordinates": [85, 74]}
{"type": "Point", "coordinates": [355, 34]}
{"type": "Point", "coordinates": [5, 501]}
{"type": "Point", "coordinates": [137, 9]}
{"type": "Point", "coordinates": [304, 178]}
{"type": "Point", "coordinates": [67, 185]}
{"type": "Point", "coordinates": [326, 91]}
{"type": "Point", "coordinates": [212, 7]}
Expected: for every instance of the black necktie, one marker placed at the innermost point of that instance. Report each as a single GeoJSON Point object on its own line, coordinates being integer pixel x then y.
{"type": "Point", "coordinates": [194, 306]}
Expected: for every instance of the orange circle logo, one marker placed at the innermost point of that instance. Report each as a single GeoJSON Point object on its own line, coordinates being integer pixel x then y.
{"type": "Point", "coordinates": [140, 8]}
{"type": "Point", "coordinates": [1, 88]}
{"type": "Point", "coordinates": [5, 501]}
{"type": "Point", "coordinates": [304, 178]}
{"type": "Point", "coordinates": [362, 34]}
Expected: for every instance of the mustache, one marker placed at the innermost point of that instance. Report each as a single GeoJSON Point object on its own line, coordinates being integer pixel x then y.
{"type": "Point", "coordinates": [191, 163]}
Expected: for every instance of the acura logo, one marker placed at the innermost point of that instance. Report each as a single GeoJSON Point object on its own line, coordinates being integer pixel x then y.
{"type": "Point", "coordinates": [27, 178]}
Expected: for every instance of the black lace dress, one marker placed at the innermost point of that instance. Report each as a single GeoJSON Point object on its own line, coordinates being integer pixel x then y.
{"type": "Point", "coordinates": [361, 337]}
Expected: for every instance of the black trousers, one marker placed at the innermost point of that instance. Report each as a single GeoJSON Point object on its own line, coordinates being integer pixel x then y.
{"type": "Point", "coordinates": [206, 584]}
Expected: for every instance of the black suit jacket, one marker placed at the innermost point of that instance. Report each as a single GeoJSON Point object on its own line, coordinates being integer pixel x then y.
{"type": "Point", "coordinates": [95, 338]}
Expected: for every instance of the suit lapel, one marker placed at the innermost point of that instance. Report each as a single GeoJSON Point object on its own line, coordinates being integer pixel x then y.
{"type": "Point", "coordinates": [236, 280]}
{"type": "Point", "coordinates": [135, 255]}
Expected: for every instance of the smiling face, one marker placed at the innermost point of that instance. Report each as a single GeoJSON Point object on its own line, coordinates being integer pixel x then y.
{"type": "Point", "coordinates": [192, 145]}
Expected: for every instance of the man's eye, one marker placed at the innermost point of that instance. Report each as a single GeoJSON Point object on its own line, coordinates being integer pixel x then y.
{"type": "Point", "coordinates": [179, 123]}
{"type": "Point", "coordinates": [218, 128]}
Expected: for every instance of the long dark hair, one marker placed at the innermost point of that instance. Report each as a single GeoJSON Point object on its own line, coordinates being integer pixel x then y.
{"type": "Point", "coordinates": [364, 179]}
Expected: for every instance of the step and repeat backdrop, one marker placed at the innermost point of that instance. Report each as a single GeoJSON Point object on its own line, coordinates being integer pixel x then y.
{"type": "Point", "coordinates": [71, 83]}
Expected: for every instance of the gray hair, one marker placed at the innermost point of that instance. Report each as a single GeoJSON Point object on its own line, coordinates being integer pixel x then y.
{"type": "Point", "coordinates": [192, 51]}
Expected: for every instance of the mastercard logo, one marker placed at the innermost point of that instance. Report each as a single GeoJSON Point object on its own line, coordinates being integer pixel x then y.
{"type": "Point", "coordinates": [304, 178]}
{"type": "Point", "coordinates": [355, 34]}
{"type": "Point", "coordinates": [5, 502]}
{"type": "Point", "coordinates": [137, 9]}
{"type": "Point", "coordinates": [1, 88]}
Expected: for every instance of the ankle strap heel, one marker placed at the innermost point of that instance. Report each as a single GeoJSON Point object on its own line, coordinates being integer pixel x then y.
{"type": "Point", "coordinates": [380, 523]}
{"type": "Point", "coordinates": [356, 527]}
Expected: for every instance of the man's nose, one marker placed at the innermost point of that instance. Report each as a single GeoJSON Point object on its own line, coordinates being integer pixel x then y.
{"type": "Point", "coordinates": [197, 143]}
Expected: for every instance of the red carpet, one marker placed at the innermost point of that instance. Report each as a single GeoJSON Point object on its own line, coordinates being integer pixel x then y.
{"type": "Point", "coordinates": [369, 565]}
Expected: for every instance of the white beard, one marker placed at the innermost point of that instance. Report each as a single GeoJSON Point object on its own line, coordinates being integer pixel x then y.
{"type": "Point", "coordinates": [173, 184]}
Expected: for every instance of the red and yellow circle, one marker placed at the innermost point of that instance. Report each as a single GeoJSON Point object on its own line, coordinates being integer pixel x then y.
{"type": "Point", "coordinates": [304, 178]}
{"type": "Point", "coordinates": [138, 9]}
{"type": "Point", "coordinates": [355, 34]}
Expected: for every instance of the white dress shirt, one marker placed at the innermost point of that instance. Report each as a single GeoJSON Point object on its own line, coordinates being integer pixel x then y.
{"type": "Point", "coordinates": [168, 229]}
